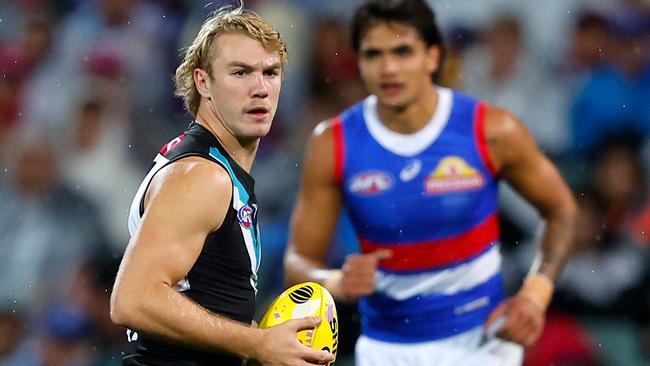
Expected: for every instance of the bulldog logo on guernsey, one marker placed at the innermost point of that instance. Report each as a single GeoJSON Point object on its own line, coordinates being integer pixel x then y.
{"type": "Point", "coordinates": [370, 183]}
{"type": "Point", "coordinates": [453, 174]}
{"type": "Point", "coordinates": [245, 216]}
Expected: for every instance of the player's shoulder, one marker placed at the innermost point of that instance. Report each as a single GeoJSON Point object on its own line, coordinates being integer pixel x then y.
{"type": "Point", "coordinates": [502, 123]}
{"type": "Point", "coordinates": [195, 178]}
{"type": "Point", "coordinates": [349, 116]}
{"type": "Point", "coordinates": [325, 128]}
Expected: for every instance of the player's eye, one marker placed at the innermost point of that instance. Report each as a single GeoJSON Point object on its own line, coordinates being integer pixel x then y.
{"type": "Point", "coordinates": [403, 51]}
{"type": "Point", "coordinates": [370, 54]}
{"type": "Point", "coordinates": [272, 72]}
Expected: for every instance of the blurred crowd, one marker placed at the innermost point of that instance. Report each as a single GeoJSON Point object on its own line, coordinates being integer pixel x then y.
{"type": "Point", "coordinates": [86, 100]}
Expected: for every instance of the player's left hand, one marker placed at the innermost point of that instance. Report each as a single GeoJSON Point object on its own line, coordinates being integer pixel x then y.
{"type": "Point", "coordinates": [524, 320]}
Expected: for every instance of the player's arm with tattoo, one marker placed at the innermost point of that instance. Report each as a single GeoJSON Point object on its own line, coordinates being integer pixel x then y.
{"type": "Point", "coordinates": [520, 162]}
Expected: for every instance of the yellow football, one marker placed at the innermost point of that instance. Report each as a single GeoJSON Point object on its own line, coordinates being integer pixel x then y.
{"type": "Point", "coordinates": [302, 300]}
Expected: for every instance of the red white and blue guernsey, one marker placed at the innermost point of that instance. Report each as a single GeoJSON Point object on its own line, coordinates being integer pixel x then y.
{"type": "Point", "coordinates": [431, 198]}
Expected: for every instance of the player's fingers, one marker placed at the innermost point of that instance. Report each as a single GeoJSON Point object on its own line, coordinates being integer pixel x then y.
{"type": "Point", "coordinates": [532, 338]}
{"type": "Point", "coordinates": [381, 254]}
{"type": "Point", "coordinates": [309, 322]}
{"type": "Point", "coordinates": [511, 326]}
{"type": "Point", "coordinates": [317, 357]}
{"type": "Point", "coordinates": [496, 313]}
{"type": "Point", "coordinates": [522, 327]}
{"type": "Point", "coordinates": [533, 329]}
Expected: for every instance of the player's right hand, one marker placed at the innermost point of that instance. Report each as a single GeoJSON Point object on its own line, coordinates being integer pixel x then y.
{"type": "Point", "coordinates": [279, 346]}
{"type": "Point", "coordinates": [359, 271]}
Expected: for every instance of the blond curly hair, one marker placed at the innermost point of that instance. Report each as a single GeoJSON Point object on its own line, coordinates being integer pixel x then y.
{"type": "Point", "coordinates": [200, 52]}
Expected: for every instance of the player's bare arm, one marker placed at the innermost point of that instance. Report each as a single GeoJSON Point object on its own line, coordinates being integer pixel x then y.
{"type": "Point", "coordinates": [320, 199]}
{"type": "Point", "coordinates": [518, 160]}
{"type": "Point", "coordinates": [186, 201]}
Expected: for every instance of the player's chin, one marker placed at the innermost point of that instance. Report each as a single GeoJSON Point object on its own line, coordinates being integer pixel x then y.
{"type": "Point", "coordinates": [260, 131]}
{"type": "Point", "coordinates": [258, 128]}
{"type": "Point", "coordinates": [393, 101]}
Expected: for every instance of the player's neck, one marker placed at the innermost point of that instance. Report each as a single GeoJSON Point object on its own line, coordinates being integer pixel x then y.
{"type": "Point", "coordinates": [242, 150]}
{"type": "Point", "coordinates": [412, 117]}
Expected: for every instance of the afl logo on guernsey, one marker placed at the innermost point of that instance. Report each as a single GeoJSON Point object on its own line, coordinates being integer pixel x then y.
{"type": "Point", "coordinates": [245, 216]}
{"type": "Point", "coordinates": [370, 183]}
{"type": "Point", "coordinates": [453, 174]}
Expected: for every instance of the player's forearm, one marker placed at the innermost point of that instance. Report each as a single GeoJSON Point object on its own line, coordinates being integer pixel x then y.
{"type": "Point", "coordinates": [298, 268]}
{"type": "Point", "coordinates": [557, 242]}
{"type": "Point", "coordinates": [165, 313]}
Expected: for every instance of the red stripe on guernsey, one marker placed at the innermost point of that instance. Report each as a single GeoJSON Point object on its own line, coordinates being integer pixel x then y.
{"type": "Point", "coordinates": [437, 253]}
{"type": "Point", "coordinates": [339, 151]}
{"type": "Point", "coordinates": [479, 135]}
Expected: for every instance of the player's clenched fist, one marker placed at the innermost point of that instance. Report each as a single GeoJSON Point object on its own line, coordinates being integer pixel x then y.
{"type": "Point", "coordinates": [357, 276]}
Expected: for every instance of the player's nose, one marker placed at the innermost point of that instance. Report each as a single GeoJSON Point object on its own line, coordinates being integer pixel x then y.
{"type": "Point", "coordinates": [260, 89]}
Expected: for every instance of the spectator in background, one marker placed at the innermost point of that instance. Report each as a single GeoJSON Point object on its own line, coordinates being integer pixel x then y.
{"type": "Point", "coordinates": [12, 329]}
{"type": "Point", "coordinates": [47, 227]}
{"type": "Point", "coordinates": [502, 71]}
{"type": "Point", "coordinates": [614, 98]}
{"type": "Point", "coordinates": [582, 289]}
{"type": "Point", "coordinates": [605, 286]}
{"type": "Point", "coordinates": [90, 291]}
{"type": "Point", "coordinates": [459, 40]}
{"type": "Point", "coordinates": [97, 145]}
{"type": "Point", "coordinates": [334, 82]}
{"type": "Point", "coordinates": [130, 32]}
{"type": "Point", "coordinates": [589, 43]}
{"type": "Point", "coordinates": [60, 339]}
{"type": "Point", "coordinates": [19, 61]}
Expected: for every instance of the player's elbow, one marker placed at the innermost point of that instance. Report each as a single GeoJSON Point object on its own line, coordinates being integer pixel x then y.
{"type": "Point", "coordinates": [569, 211]}
{"type": "Point", "coordinates": [122, 308]}
{"type": "Point", "coordinates": [117, 312]}
{"type": "Point", "coordinates": [563, 210]}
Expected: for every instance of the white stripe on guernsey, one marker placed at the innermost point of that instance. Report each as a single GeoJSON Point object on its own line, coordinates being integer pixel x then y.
{"type": "Point", "coordinates": [134, 212]}
{"type": "Point", "coordinates": [248, 237]}
{"type": "Point", "coordinates": [411, 144]}
{"type": "Point", "coordinates": [446, 282]}
{"type": "Point", "coordinates": [182, 285]}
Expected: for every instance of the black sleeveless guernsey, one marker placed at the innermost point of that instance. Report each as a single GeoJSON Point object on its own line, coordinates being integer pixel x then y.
{"type": "Point", "coordinates": [224, 277]}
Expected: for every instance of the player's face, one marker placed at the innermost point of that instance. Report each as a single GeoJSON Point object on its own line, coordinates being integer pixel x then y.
{"type": "Point", "coordinates": [395, 63]}
{"type": "Point", "coordinates": [246, 85]}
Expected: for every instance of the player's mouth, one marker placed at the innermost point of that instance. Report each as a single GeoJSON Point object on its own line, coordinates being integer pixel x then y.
{"type": "Point", "coordinates": [391, 88]}
{"type": "Point", "coordinates": [258, 113]}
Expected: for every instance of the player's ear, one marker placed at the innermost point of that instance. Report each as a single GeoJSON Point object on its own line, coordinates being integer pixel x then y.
{"type": "Point", "coordinates": [433, 58]}
{"type": "Point", "coordinates": [202, 81]}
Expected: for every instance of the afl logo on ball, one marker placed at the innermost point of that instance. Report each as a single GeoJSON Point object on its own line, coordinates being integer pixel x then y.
{"type": "Point", "coordinates": [301, 295]}
{"type": "Point", "coordinates": [245, 216]}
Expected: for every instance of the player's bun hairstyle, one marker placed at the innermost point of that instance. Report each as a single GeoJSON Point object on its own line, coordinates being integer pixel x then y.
{"type": "Point", "coordinates": [415, 13]}
{"type": "Point", "coordinates": [200, 53]}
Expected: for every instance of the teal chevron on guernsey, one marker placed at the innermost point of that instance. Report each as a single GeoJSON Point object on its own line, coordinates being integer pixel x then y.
{"type": "Point", "coordinates": [240, 199]}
